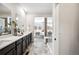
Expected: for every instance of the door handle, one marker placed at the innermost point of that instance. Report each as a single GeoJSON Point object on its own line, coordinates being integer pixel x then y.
{"type": "Point", "coordinates": [55, 39]}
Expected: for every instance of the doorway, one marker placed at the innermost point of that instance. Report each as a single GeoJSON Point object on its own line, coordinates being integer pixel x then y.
{"type": "Point", "coordinates": [42, 29]}
{"type": "Point", "coordinates": [52, 30]}
{"type": "Point", "coordinates": [39, 27]}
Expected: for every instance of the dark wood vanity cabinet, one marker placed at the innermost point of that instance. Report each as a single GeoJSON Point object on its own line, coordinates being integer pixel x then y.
{"type": "Point", "coordinates": [26, 40]}
{"type": "Point", "coordinates": [24, 44]}
{"type": "Point", "coordinates": [19, 47]}
{"type": "Point", "coordinates": [12, 52]}
{"type": "Point", "coordinates": [9, 50]}
{"type": "Point", "coordinates": [30, 37]}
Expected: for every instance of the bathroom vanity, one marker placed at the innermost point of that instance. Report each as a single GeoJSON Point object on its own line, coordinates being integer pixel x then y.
{"type": "Point", "coordinates": [15, 45]}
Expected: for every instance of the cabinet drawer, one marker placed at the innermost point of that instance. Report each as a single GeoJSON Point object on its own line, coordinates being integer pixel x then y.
{"type": "Point", "coordinates": [7, 49]}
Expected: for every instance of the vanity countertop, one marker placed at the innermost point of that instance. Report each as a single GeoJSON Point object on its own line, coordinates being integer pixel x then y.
{"type": "Point", "coordinates": [8, 39]}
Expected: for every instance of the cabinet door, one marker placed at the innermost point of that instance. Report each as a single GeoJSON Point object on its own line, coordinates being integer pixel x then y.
{"type": "Point", "coordinates": [19, 47]}
{"type": "Point", "coordinates": [24, 44]}
{"type": "Point", "coordinates": [11, 52]}
{"type": "Point", "coordinates": [31, 37]}
{"type": "Point", "coordinates": [28, 40]}
{"type": "Point", "coordinates": [7, 49]}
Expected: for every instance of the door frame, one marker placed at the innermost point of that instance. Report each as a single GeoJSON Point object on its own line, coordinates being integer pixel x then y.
{"type": "Point", "coordinates": [55, 15]}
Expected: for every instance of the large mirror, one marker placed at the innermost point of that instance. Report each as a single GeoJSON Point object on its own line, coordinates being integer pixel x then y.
{"type": "Point", "coordinates": [5, 25]}
{"type": "Point", "coordinates": [5, 20]}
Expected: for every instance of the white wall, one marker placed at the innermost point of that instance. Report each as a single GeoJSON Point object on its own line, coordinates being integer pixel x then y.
{"type": "Point", "coordinates": [29, 22]}
{"type": "Point", "coordinates": [69, 29]}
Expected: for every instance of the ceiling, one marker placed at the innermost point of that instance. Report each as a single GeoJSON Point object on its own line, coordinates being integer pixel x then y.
{"type": "Point", "coordinates": [38, 7]}
{"type": "Point", "coordinates": [41, 8]}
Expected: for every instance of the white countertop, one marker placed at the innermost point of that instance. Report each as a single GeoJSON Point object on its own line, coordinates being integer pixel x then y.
{"type": "Point", "coordinates": [8, 39]}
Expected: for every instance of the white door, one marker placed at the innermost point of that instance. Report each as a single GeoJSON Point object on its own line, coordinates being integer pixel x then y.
{"type": "Point", "coordinates": [55, 29]}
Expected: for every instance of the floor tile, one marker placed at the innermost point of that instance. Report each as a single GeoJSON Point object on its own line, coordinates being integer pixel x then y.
{"type": "Point", "coordinates": [39, 47]}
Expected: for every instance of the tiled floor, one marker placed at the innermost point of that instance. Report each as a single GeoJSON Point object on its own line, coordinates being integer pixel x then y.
{"type": "Point", "coordinates": [39, 47]}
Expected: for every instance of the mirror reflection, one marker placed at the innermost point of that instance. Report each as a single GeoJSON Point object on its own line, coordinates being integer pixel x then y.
{"type": "Point", "coordinates": [5, 20]}
{"type": "Point", "coordinates": [5, 25]}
